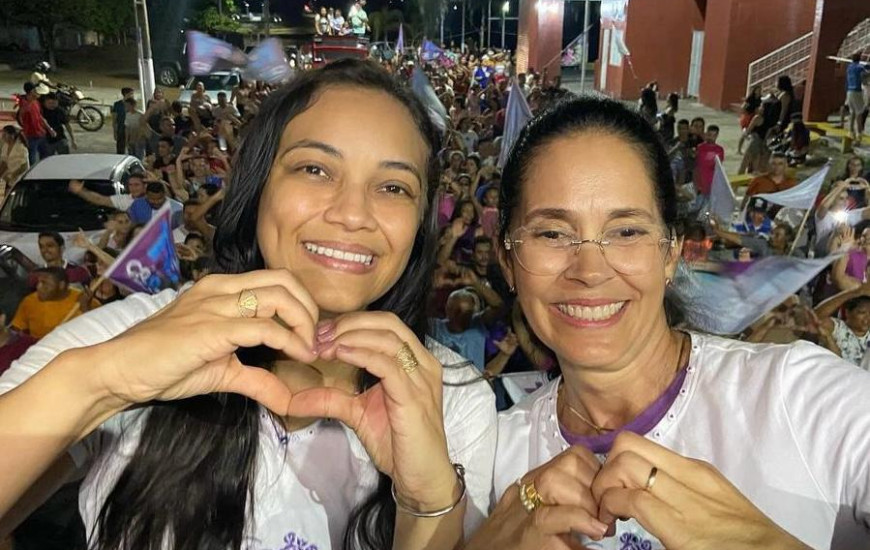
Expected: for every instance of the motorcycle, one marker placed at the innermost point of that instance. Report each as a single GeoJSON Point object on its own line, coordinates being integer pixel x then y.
{"type": "Point", "coordinates": [71, 100]}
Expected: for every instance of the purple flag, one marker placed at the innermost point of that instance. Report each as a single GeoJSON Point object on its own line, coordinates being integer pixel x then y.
{"type": "Point", "coordinates": [400, 43]}
{"type": "Point", "coordinates": [517, 115]}
{"type": "Point", "coordinates": [430, 52]}
{"type": "Point", "coordinates": [149, 263]}
{"type": "Point", "coordinates": [266, 62]}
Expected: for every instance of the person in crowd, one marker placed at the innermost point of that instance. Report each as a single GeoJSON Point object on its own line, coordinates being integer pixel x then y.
{"type": "Point", "coordinates": [750, 106]}
{"type": "Point", "coordinates": [850, 270]}
{"type": "Point", "coordinates": [166, 130]}
{"type": "Point", "coordinates": [648, 105]}
{"type": "Point", "coordinates": [852, 333]}
{"type": "Point", "coordinates": [155, 197]}
{"type": "Point", "coordinates": [201, 105]}
{"type": "Point", "coordinates": [789, 322]}
{"type": "Point", "coordinates": [785, 97]}
{"type": "Point", "coordinates": [354, 442]}
{"type": "Point", "coordinates": [52, 247]}
{"type": "Point", "coordinates": [13, 343]}
{"type": "Point", "coordinates": [833, 211]}
{"type": "Point", "coordinates": [123, 202]}
{"type": "Point", "coordinates": [759, 244]}
{"type": "Point", "coordinates": [163, 160]}
{"type": "Point", "coordinates": [855, 72]}
{"type": "Point", "coordinates": [797, 141]}
{"type": "Point", "coordinates": [359, 19]}
{"type": "Point", "coordinates": [457, 241]}
{"type": "Point", "coordinates": [697, 244]}
{"type": "Point", "coordinates": [63, 138]}
{"type": "Point", "coordinates": [338, 24]}
{"type": "Point", "coordinates": [184, 123]}
{"type": "Point", "coordinates": [33, 125]}
{"type": "Point", "coordinates": [119, 115]}
{"type": "Point", "coordinates": [155, 109]}
{"type": "Point", "coordinates": [681, 155]}
{"type": "Point", "coordinates": [225, 111]}
{"type": "Point", "coordinates": [117, 229]}
{"type": "Point", "coordinates": [135, 130]}
{"type": "Point", "coordinates": [758, 220]}
{"type": "Point", "coordinates": [668, 118]}
{"type": "Point", "coordinates": [756, 133]}
{"type": "Point", "coordinates": [858, 187]}
{"type": "Point", "coordinates": [50, 305]}
{"type": "Point", "coordinates": [14, 158]}
{"type": "Point", "coordinates": [196, 243]}
{"type": "Point", "coordinates": [321, 23]}
{"type": "Point", "coordinates": [705, 160]}
{"type": "Point", "coordinates": [774, 181]}
{"type": "Point", "coordinates": [590, 248]}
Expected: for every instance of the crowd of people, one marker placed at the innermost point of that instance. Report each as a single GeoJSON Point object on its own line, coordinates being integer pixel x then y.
{"type": "Point", "coordinates": [265, 187]}
{"type": "Point", "coordinates": [329, 21]}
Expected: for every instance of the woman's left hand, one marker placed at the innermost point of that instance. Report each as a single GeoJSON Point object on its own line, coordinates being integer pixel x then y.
{"type": "Point", "coordinates": [398, 420]}
{"type": "Point", "coordinates": [688, 505]}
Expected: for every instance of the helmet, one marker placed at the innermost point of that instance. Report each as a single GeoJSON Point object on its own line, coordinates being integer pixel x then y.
{"type": "Point", "coordinates": [43, 67]}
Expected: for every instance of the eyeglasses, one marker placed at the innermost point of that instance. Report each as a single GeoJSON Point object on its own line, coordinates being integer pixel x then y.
{"type": "Point", "coordinates": [549, 248]}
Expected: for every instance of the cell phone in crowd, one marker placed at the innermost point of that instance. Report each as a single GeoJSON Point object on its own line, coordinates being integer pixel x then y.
{"type": "Point", "coordinates": [857, 196]}
{"type": "Point", "coordinates": [217, 181]}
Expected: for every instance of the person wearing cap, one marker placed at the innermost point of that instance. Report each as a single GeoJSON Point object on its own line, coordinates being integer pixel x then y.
{"type": "Point", "coordinates": [757, 221]}
{"type": "Point", "coordinates": [33, 125]}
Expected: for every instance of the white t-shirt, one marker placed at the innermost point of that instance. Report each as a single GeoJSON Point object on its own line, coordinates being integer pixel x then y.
{"type": "Point", "coordinates": [852, 347]}
{"type": "Point", "coordinates": [122, 202]}
{"type": "Point", "coordinates": [298, 497]}
{"type": "Point", "coordinates": [788, 425]}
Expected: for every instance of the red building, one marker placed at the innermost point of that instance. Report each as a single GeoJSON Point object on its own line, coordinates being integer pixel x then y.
{"type": "Point", "coordinates": [704, 48]}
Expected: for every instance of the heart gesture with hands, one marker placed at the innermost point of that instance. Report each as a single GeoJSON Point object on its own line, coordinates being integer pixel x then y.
{"type": "Point", "coordinates": [686, 503]}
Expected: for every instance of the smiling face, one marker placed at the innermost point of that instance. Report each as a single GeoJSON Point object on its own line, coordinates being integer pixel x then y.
{"type": "Point", "coordinates": [589, 314]}
{"type": "Point", "coordinates": [340, 210]}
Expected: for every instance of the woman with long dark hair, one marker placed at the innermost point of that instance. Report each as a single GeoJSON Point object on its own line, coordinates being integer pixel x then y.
{"type": "Point", "coordinates": [325, 246]}
{"type": "Point", "coordinates": [653, 436]}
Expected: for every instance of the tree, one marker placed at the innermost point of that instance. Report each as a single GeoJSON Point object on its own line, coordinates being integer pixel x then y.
{"type": "Point", "coordinates": [46, 16]}
{"type": "Point", "coordinates": [216, 16]}
{"type": "Point", "coordinates": [108, 17]}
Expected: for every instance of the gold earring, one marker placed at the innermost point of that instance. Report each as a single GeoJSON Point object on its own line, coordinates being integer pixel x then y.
{"type": "Point", "coordinates": [668, 282]}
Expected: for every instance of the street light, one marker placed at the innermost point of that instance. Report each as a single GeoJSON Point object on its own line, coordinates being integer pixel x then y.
{"type": "Point", "coordinates": [505, 8]}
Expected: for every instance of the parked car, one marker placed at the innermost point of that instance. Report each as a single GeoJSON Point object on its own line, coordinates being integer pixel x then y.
{"type": "Point", "coordinates": [326, 49]}
{"type": "Point", "coordinates": [40, 201]}
{"type": "Point", "coordinates": [216, 82]}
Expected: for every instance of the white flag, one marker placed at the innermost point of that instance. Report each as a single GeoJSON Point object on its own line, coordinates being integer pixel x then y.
{"type": "Point", "coordinates": [722, 199]}
{"type": "Point", "coordinates": [517, 115]}
{"type": "Point", "coordinates": [728, 304]}
{"type": "Point", "coordinates": [426, 94]}
{"type": "Point", "coordinates": [801, 196]}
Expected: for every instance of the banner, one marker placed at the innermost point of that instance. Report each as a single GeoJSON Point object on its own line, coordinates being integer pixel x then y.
{"type": "Point", "coordinates": [430, 52]}
{"type": "Point", "coordinates": [400, 43]}
{"type": "Point", "coordinates": [729, 302]}
{"type": "Point", "coordinates": [722, 199]}
{"type": "Point", "coordinates": [801, 196]}
{"type": "Point", "coordinates": [424, 92]}
{"type": "Point", "coordinates": [149, 263]}
{"type": "Point", "coordinates": [517, 115]}
{"type": "Point", "coordinates": [266, 62]}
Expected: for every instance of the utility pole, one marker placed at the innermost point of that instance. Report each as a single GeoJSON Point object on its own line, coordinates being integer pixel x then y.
{"type": "Point", "coordinates": [584, 60]}
{"type": "Point", "coordinates": [267, 17]}
{"type": "Point", "coordinates": [504, 11]}
{"type": "Point", "coordinates": [489, 24]}
{"type": "Point", "coordinates": [143, 43]}
{"type": "Point", "coordinates": [462, 44]}
{"type": "Point", "coordinates": [443, 9]}
{"type": "Point", "coordinates": [221, 8]}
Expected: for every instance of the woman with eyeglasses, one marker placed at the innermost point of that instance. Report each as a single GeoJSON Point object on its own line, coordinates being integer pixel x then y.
{"type": "Point", "coordinates": [653, 437]}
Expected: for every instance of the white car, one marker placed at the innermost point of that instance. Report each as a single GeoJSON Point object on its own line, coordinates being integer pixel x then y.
{"type": "Point", "coordinates": [216, 82]}
{"type": "Point", "coordinates": [41, 201]}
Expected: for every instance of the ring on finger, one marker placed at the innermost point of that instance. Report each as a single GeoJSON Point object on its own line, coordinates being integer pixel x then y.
{"type": "Point", "coordinates": [248, 304]}
{"type": "Point", "coordinates": [406, 358]}
{"type": "Point", "coordinates": [529, 496]}
{"type": "Point", "coordinates": [651, 480]}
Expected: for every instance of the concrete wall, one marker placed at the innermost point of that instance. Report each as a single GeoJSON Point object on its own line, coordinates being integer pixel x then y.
{"type": "Point", "coordinates": [539, 41]}
{"type": "Point", "coordinates": [737, 32]}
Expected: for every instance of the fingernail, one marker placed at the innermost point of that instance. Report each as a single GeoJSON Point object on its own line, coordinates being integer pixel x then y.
{"type": "Point", "coordinates": [600, 528]}
{"type": "Point", "coordinates": [325, 327]}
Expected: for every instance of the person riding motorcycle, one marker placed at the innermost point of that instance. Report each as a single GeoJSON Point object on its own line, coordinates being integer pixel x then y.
{"type": "Point", "coordinates": [40, 79]}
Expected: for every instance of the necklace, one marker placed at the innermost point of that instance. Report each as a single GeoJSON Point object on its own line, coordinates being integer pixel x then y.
{"type": "Point", "coordinates": [600, 430]}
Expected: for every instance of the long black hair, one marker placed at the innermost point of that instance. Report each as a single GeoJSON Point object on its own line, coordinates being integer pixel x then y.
{"type": "Point", "coordinates": [592, 114]}
{"type": "Point", "coordinates": [190, 480]}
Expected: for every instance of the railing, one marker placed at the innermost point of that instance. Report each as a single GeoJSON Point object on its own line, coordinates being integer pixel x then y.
{"type": "Point", "coordinates": [858, 40]}
{"type": "Point", "coordinates": [793, 60]}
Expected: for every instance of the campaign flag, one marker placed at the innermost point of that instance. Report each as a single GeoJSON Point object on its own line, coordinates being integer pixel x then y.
{"type": "Point", "coordinates": [802, 196]}
{"type": "Point", "coordinates": [729, 302]}
{"type": "Point", "coordinates": [266, 62]}
{"type": "Point", "coordinates": [149, 263]}
{"type": "Point", "coordinates": [722, 199]}
{"type": "Point", "coordinates": [400, 43]}
{"type": "Point", "coordinates": [423, 90]}
{"type": "Point", "coordinates": [430, 52]}
{"type": "Point", "coordinates": [517, 115]}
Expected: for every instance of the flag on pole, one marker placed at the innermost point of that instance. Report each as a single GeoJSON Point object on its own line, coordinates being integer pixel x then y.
{"type": "Point", "coordinates": [423, 90]}
{"type": "Point", "coordinates": [149, 263]}
{"type": "Point", "coordinates": [722, 199]}
{"type": "Point", "coordinates": [430, 52]}
{"type": "Point", "coordinates": [801, 196]}
{"type": "Point", "coordinates": [400, 43]}
{"type": "Point", "coordinates": [729, 302]}
{"type": "Point", "coordinates": [517, 115]}
{"type": "Point", "coordinates": [266, 62]}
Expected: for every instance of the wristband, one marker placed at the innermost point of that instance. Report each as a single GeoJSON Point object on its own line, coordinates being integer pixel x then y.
{"type": "Point", "coordinates": [460, 474]}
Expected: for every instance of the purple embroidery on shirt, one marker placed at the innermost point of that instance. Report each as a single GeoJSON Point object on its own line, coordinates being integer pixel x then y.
{"type": "Point", "coordinates": [634, 542]}
{"type": "Point", "coordinates": [292, 541]}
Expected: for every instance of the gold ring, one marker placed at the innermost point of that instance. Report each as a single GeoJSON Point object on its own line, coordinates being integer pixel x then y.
{"type": "Point", "coordinates": [651, 480]}
{"type": "Point", "coordinates": [529, 496]}
{"type": "Point", "coordinates": [406, 358]}
{"type": "Point", "coordinates": [248, 304]}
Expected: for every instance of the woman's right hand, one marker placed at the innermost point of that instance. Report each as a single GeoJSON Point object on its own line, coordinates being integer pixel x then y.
{"type": "Point", "coordinates": [568, 507]}
{"type": "Point", "coordinates": [188, 348]}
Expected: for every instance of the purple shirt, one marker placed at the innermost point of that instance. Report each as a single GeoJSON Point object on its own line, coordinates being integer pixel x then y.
{"type": "Point", "coordinates": [643, 423]}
